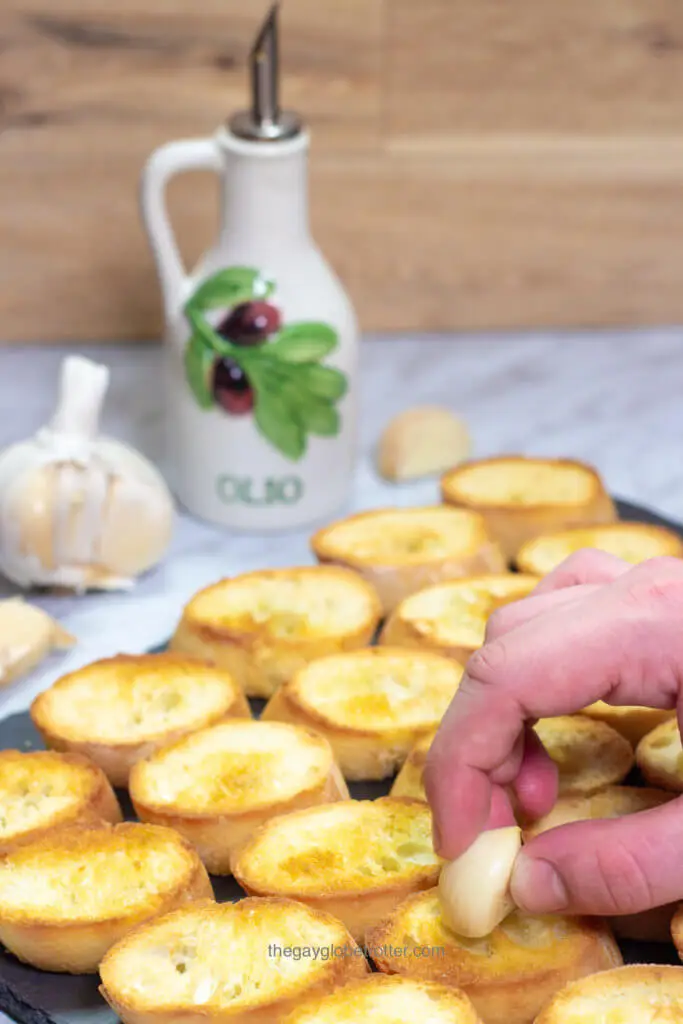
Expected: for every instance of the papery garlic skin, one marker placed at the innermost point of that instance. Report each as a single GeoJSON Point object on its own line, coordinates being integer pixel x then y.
{"type": "Point", "coordinates": [78, 510]}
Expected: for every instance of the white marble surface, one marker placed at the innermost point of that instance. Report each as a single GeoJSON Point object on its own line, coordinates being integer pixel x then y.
{"type": "Point", "coordinates": [612, 398]}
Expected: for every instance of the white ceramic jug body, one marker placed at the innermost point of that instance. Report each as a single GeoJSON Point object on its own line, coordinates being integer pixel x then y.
{"type": "Point", "coordinates": [275, 448]}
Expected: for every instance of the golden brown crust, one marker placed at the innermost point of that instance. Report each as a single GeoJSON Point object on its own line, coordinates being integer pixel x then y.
{"type": "Point", "coordinates": [371, 705]}
{"type": "Point", "coordinates": [408, 783]}
{"type": "Point", "coordinates": [242, 989]}
{"type": "Point", "coordinates": [259, 659]}
{"type": "Point", "coordinates": [465, 548]}
{"type": "Point", "coordinates": [677, 929]}
{"type": "Point", "coordinates": [68, 937]}
{"type": "Point", "coordinates": [450, 618]}
{"type": "Point", "coordinates": [114, 685]}
{"type": "Point", "coordinates": [514, 519]}
{"type": "Point", "coordinates": [589, 754]}
{"type": "Point", "coordinates": [388, 998]}
{"type": "Point", "coordinates": [632, 993]}
{"type": "Point", "coordinates": [355, 860]}
{"type": "Point", "coordinates": [659, 756]}
{"type": "Point", "coordinates": [633, 542]}
{"type": "Point", "coordinates": [216, 830]}
{"type": "Point", "coordinates": [631, 721]}
{"type": "Point", "coordinates": [83, 794]}
{"type": "Point", "coordinates": [507, 975]}
{"type": "Point", "coordinates": [610, 802]}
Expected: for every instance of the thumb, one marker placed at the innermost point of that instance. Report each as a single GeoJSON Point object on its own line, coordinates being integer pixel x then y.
{"type": "Point", "coordinates": [604, 868]}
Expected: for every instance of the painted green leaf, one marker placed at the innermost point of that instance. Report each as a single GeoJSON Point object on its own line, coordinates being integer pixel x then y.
{"type": "Point", "coordinates": [320, 417]}
{"type": "Point", "coordinates": [206, 334]}
{"type": "Point", "coordinates": [303, 342]}
{"type": "Point", "coordinates": [273, 417]}
{"type": "Point", "coordinates": [323, 381]}
{"type": "Point", "coordinates": [229, 287]}
{"type": "Point", "coordinates": [198, 365]}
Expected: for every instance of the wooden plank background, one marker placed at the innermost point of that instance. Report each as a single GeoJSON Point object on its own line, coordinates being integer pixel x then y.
{"type": "Point", "coordinates": [476, 163]}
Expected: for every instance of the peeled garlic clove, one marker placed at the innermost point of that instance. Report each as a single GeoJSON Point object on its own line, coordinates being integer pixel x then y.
{"type": "Point", "coordinates": [27, 636]}
{"type": "Point", "coordinates": [78, 510]}
{"type": "Point", "coordinates": [474, 890]}
{"type": "Point", "coordinates": [424, 441]}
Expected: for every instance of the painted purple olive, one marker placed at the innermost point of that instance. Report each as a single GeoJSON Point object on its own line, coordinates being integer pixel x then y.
{"type": "Point", "coordinates": [250, 323]}
{"type": "Point", "coordinates": [231, 388]}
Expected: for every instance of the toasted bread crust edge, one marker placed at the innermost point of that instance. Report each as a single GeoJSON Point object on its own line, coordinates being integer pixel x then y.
{"type": "Point", "coordinates": [552, 1012]}
{"type": "Point", "coordinates": [516, 999]}
{"type": "Point", "coordinates": [662, 778]}
{"type": "Point", "coordinates": [78, 947]}
{"type": "Point", "coordinates": [340, 970]}
{"type": "Point", "coordinates": [99, 803]}
{"type": "Point", "coordinates": [512, 525]}
{"type": "Point", "coordinates": [633, 725]}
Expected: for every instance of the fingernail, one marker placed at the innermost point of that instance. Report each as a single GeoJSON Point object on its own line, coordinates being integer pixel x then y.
{"type": "Point", "coordinates": [537, 887]}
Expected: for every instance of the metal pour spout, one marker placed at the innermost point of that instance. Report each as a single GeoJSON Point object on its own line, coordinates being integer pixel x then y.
{"type": "Point", "coordinates": [265, 122]}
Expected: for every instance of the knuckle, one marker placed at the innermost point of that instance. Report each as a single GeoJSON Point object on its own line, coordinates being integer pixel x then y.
{"type": "Point", "coordinates": [623, 883]}
{"type": "Point", "coordinates": [651, 592]}
{"type": "Point", "coordinates": [499, 622]}
{"type": "Point", "coordinates": [488, 665]}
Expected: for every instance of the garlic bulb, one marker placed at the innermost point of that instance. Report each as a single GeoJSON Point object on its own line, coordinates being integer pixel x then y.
{"type": "Point", "coordinates": [78, 510]}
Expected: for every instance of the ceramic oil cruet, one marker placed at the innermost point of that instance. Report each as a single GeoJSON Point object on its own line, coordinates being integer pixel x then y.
{"type": "Point", "coordinates": [261, 339]}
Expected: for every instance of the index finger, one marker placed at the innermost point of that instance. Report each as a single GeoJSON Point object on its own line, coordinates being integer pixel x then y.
{"type": "Point", "coordinates": [587, 566]}
{"type": "Point", "coordinates": [622, 642]}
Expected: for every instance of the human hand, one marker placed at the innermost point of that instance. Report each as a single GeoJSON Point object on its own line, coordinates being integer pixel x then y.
{"type": "Point", "coordinates": [596, 628]}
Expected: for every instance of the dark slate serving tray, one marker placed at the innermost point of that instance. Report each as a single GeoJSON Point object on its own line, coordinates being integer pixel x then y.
{"type": "Point", "coordinates": [37, 997]}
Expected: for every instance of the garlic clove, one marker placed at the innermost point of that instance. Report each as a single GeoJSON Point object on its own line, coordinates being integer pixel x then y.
{"type": "Point", "coordinates": [423, 441]}
{"type": "Point", "coordinates": [27, 636]}
{"type": "Point", "coordinates": [79, 510]}
{"type": "Point", "coordinates": [474, 889]}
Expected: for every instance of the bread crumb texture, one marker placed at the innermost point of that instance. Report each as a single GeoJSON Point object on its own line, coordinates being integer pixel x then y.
{"type": "Point", "coordinates": [524, 481]}
{"type": "Point", "coordinates": [287, 604]}
{"type": "Point", "coordinates": [40, 786]}
{"type": "Point", "coordinates": [348, 846]}
{"type": "Point", "coordinates": [388, 999]}
{"type": "Point", "coordinates": [633, 542]}
{"type": "Point", "coordinates": [234, 766]}
{"type": "Point", "coordinates": [627, 995]}
{"type": "Point", "coordinates": [379, 689]}
{"type": "Point", "coordinates": [223, 956]}
{"type": "Point", "coordinates": [589, 754]}
{"type": "Point", "coordinates": [85, 873]}
{"type": "Point", "coordinates": [402, 536]}
{"type": "Point", "coordinates": [130, 698]}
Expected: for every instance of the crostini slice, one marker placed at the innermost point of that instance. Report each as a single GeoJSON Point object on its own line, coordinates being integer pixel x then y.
{"type": "Point", "coordinates": [523, 496]}
{"type": "Point", "coordinates": [118, 710]}
{"type": "Point", "coordinates": [450, 618]}
{"type": "Point", "coordinates": [250, 962]}
{"type": "Point", "coordinates": [388, 999]}
{"type": "Point", "coordinates": [633, 542]}
{"type": "Point", "coordinates": [589, 755]}
{"type": "Point", "coordinates": [372, 705]}
{"type": "Point", "coordinates": [631, 720]}
{"type": "Point", "coordinates": [68, 896]}
{"type": "Point", "coordinates": [401, 550]}
{"type": "Point", "coordinates": [408, 783]}
{"type": "Point", "coordinates": [42, 789]}
{"type": "Point", "coordinates": [218, 785]}
{"type": "Point", "coordinates": [610, 802]}
{"type": "Point", "coordinates": [263, 626]}
{"type": "Point", "coordinates": [509, 974]}
{"type": "Point", "coordinates": [659, 756]}
{"type": "Point", "coordinates": [647, 993]}
{"type": "Point", "coordinates": [355, 859]}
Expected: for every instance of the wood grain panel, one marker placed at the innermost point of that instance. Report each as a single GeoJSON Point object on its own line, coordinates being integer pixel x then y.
{"type": "Point", "coordinates": [489, 66]}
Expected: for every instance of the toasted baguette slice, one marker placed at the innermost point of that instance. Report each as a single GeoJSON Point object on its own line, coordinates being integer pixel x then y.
{"type": "Point", "coordinates": [677, 930]}
{"type": "Point", "coordinates": [450, 618]}
{"type": "Point", "coordinates": [250, 962]}
{"type": "Point", "coordinates": [610, 802]}
{"type": "Point", "coordinates": [355, 859]}
{"type": "Point", "coordinates": [388, 999]}
{"type": "Point", "coordinates": [631, 721]}
{"type": "Point", "coordinates": [401, 550]}
{"type": "Point", "coordinates": [264, 626]}
{"type": "Point", "coordinates": [371, 705]}
{"type": "Point", "coordinates": [637, 994]}
{"type": "Point", "coordinates": [509, 974]}
{"type": "Point", "coordinates": [589, 755]}
{"type": "Point", "coordinates": [68, 896]}
{"type": "Point", "coordinates": [408, 782]}
{"type": "Point", "coordinates": [43, 789]}
{"type": "Point", "coordinates": [521, 497]}
{"type": "Point", "coordinates": [119, 710]}
{"type": "Point", "coordinates": [659, 755]}
{"type": "Point", "coordinates": [218, 785]}
{"type": "Point", "coordinates": [633, 542]}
